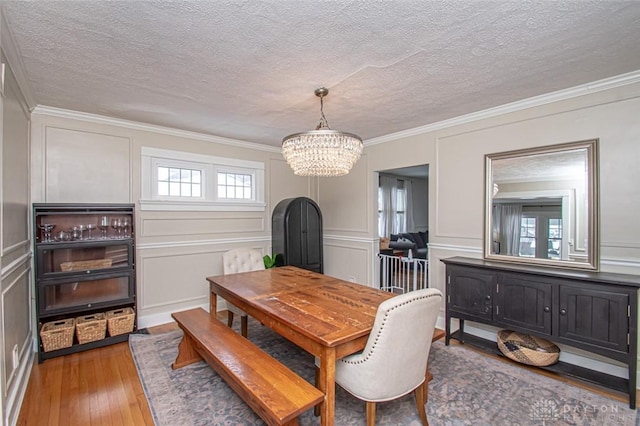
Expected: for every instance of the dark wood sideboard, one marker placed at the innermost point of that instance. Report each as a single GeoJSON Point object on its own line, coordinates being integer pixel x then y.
{"type": "Point", "coordinates": [593, 311]}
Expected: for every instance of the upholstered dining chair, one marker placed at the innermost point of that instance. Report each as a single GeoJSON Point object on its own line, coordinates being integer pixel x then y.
{"type": "Point", "coordinates": [233, 262]}
{"type": "Point", "coordinates": [394, 360]}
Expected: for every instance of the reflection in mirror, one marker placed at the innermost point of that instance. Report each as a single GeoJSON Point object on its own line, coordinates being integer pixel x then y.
{"type": "Point", "coordinates": [541, 206]}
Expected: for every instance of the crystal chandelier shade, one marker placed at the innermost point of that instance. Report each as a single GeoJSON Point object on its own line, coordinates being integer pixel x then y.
{"type": "Point", "coordinates": [322, 152]}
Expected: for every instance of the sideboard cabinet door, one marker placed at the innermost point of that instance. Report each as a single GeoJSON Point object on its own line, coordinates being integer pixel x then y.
{"type": "Point", "coordinates": [594, 318]}
{"type": "Point", "coordinates": [469, 293]}
{"type": "Point", "coordinates": [524, 303]}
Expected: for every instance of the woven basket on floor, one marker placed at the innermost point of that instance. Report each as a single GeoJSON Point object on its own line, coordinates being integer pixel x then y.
{"type": "Point", "coordinates": [57, 334]}
{"type": "Point", "coordinates": [120, 321]}
{"type": "Point", "coordinates": [527, 349]}
{"type": "Point", "coordinates": [90, 328]}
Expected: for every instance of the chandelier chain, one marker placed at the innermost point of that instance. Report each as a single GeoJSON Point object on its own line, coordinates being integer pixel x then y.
{"type": "Point", "coordinates": [324, 123]}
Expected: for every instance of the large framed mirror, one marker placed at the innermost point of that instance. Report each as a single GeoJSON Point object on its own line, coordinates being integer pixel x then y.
{"type": "Point", "coordinates": [541, 206]}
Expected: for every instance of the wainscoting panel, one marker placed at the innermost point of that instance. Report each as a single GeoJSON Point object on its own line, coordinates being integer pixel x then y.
{"type": "Point", "coordinates": [437, 271]}
{"type": "Point", "coordinates": [171, 279]}
{"type": "Point", "coordinates": [354, 187]}
{"type": "Point", "coordinates": [175, 279]}
{"type": "Point", "coordinates": [17, 331]}
{"type": "Point", "coordinates": [86, 167]}
{"type": "Point", "coordinates": [165, 227]}
{"type": "Point", "coordinates": [350, 259]}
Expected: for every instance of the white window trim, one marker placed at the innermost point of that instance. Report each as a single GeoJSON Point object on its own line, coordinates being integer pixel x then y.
{"type": "Point", "coordinates": [209, 165]}
{"type": "Point", "coordinates": [179, 164]}
{"type": "Point", "coordinates": [241, 171]}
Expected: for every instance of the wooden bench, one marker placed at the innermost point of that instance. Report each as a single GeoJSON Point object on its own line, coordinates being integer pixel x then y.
{"type": "Point", "coordinates": [273, 391]}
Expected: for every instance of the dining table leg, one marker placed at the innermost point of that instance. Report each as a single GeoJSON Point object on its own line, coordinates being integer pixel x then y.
{"type": "Point", "coordinates": [327, 384]}
{"type": "Point", "coordinates": [213, 304]}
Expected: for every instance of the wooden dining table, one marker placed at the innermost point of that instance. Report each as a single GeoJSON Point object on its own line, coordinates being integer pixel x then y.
{"type": "Point", "coordinates": [327, 317]}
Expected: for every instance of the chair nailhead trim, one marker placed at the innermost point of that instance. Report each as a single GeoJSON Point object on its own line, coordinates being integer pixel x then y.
{"type": "Point", "coordinates": [384, 321]}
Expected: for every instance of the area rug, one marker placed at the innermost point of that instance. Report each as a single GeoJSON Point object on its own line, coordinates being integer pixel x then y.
{"type": "Point", "coordinates": [468, 389]}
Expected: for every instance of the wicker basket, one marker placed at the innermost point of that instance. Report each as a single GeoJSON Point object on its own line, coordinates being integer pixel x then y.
{"type": "Point", "coordinates": [120, 321]}
{"type": "Point", "coordinates": [527, 349]}
{"type": "Point", "coordinates": [57, 334]}
{"type": "Point", "coordinates": [85, 265]}
{"type": "Point", "coordinates": [90, 328]}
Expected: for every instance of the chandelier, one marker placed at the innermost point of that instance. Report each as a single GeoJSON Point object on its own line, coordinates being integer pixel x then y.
{"type": "Point", "coordinates": [322, 152]}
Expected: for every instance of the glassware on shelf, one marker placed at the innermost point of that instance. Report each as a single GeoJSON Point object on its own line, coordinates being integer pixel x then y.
{"type": "Point", "coordinates": [90, 227]}
{"type": "Point", "coordinates": [62, 236]}
{"type": "Point", "coordinates": [103, 225]}
{"type": "Point", "coordinates": [126, 224]}
{"type": "Point", "coordinates": [81, 229]}
{"type": "Point", "coordinates": [46, 231]}
{"type": "Point", "coordinates": [76, 234]}
{"type": "Point", "coordinates": [116, 224]}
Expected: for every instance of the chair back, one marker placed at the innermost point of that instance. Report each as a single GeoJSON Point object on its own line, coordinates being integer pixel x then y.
{"type": "Point", "coordinates": [394, 360]}
{"type": "Point", "coordinates": [242, 260]}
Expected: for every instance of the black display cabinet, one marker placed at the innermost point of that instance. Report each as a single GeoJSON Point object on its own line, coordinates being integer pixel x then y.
{"type": "Point", "coordinates": [84, 265]}
{"type": "Point", "coordinates": [297, 234]}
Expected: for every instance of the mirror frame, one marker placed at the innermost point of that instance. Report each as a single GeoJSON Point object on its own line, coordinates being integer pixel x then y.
{"type": "Point", "coordinates": [593, 228]}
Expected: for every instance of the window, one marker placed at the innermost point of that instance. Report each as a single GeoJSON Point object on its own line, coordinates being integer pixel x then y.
{"type": "Point", "coordinates": [234, 186]}
{"type": "Point", "coordinates": [527, 237]}
{"type": "Point", "coordinates": [174, 180]}
{"type": "Point", "coordinates": [541, 232]}
{"type": "Point", "coordinates": [554, 239]}
{"type": "Point", "coordinates": [177, 182]}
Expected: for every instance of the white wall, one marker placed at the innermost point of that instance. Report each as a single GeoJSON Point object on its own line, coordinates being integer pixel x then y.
{"type": "Point", "coordinates": [16, 295]}
{"type": "Point", "coordinates": [83, 158]}
{"type": "Point", "coordinates": [455, 153]}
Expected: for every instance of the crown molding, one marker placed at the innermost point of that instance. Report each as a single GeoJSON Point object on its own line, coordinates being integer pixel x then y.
{"type": "Point", "coordinates": [593, 87]}
{"type": "Point", "coordinates": [560, 95]}
{"type": "Point", "coordinates": [135, 125]}
{"type": "Point", "coordinates": [9, 47]}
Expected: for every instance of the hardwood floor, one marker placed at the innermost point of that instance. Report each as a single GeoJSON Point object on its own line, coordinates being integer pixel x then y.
{"type": "Point", "coordinates": [97, 387]}
{"type": "Point", "coordinates": [101, 387]}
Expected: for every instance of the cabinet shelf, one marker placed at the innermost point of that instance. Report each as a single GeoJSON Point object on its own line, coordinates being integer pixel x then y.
{"type": "Point", "coordinates": [83, 347]}
{"type": "Point", "coordinates": [561, 368]}
{"type": "Point", "coordinates": [82, 276]}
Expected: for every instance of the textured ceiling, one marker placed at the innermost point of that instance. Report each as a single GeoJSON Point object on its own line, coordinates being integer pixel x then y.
{"type": "Point", "coordinates": [247, 69]}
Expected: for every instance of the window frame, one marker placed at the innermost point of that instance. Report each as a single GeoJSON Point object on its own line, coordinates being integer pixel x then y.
{"type": "Point", "coordinates": [209, 166]}
{"type": "Point", "coordinates": [182, 165]}
{"type": "Point", "coordinates": [236, 171]}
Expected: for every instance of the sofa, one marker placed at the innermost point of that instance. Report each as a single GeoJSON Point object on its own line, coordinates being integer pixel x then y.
{"type": "Point", "coordinates": [414, 241]}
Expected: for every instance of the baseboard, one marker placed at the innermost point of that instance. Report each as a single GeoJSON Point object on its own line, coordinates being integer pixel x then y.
{"type": "Point", "coordinates": [164, 317]}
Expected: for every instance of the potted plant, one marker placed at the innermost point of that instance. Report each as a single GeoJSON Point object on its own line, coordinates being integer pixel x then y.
{"type": "Point", "coordinates": [272, 261]}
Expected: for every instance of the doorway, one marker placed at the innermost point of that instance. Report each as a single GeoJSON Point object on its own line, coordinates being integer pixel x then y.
{"type": "Point", "coordinates": [403, 227]}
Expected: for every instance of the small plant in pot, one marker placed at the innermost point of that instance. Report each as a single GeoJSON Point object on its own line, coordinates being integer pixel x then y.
{"type": "Point", "coordinates": [272, 261]}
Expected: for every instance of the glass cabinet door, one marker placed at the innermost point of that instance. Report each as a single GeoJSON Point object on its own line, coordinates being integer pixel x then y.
{"type": "Point", "coordinates": [69, 258]}
{"type": "Point", "coordinates": [85, 294]}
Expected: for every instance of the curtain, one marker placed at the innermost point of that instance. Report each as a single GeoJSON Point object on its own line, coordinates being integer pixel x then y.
{"type": "Point", "coordinates": [389, 222]}
{"type": "Point", "coordinates": [506, 228]}
{"type": "Point", "coordinates": [408, 206]}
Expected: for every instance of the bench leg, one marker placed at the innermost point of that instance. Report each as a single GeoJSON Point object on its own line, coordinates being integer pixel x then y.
{"type": "Point", "coordinates": [187, 353]}
{"type": "Point", "coordinates": [244, 324]}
